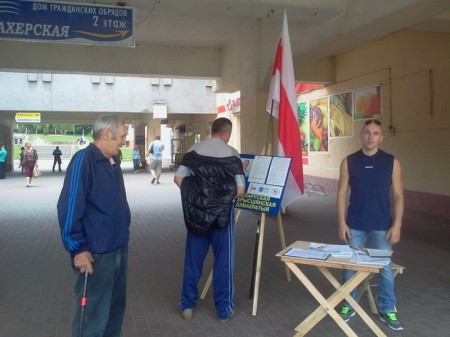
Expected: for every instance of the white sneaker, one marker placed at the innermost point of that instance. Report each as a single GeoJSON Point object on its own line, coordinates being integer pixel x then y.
{"type": "Point", "coordinates": [187, 313]}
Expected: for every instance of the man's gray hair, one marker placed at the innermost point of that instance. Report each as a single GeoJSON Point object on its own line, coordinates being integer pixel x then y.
{"type": "Point", "coordinates": [221, 125]}
{"type": "Point", "coordinates": [110, 122]}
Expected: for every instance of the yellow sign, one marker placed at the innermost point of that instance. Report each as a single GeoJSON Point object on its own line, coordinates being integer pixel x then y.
{"type": "Point", "coordinates": [28, 117]}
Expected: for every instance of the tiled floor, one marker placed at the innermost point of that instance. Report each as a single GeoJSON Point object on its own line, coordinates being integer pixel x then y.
{"type": "Point", "coordinates": [36, 280]}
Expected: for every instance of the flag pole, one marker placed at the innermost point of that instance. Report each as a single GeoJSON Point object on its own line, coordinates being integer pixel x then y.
{"type": "Point", "coordinates": [280, 104]}
{"type": "Point", "coordinates": [268, 129]}
{"type": "Point", "coordinates": [255, 258]}
{"type": "Point", "coordinates": [258, 225]}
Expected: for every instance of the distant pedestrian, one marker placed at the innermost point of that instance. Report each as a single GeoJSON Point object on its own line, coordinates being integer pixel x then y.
{"type": "Point", "coordinates": [136, 159]}
{"type": "Point", "coordinates": [3, 154]}
{"type": "Point", "coordinates": [57, 158]}
{"type": "Point", "coordinates": [21, 158]}
{"type": "Point", "coordinates": [28, 162]}
{"type": "Point", "coordinates": [155, 150]}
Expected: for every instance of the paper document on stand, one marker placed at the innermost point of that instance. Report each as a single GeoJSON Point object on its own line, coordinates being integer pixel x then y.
{"type": "Point", "coordinates": [307, 254]}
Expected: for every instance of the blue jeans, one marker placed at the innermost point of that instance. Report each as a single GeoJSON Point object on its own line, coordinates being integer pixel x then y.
{"type": "Point", "coordinates": [222, 243]}
{"type": "Point", "coordinates": [136, 164]}
{"type": "Point", "coordinates": [386, 297]}
{"type": "Point", "coordinates": [106, 295]}
{"type": "Point", "coordinates": [2, 170]}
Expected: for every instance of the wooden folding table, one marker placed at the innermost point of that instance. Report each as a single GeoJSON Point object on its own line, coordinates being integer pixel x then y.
{"type": "Point", "coordinates": [327, 305]}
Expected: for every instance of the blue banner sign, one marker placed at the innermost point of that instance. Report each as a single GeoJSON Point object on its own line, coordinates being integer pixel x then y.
{"type": "Point", "coordinates": [265, 178]}
{"type": "Point", "coordinates": [66, 22]}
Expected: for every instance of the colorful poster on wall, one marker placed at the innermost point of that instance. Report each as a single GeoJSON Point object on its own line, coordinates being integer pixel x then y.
{"type": "Point", "coordinates": [367, 103]}
{"type": "Point", "coordinates": [303, 121]}
{"type": "Point", "coordinates": [318, 121]}
{"type": "Point", "coordinates": [341, 123]}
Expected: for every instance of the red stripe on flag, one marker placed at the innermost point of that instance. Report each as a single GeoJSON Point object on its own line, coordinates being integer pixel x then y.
{"type": "Point", "coordinates": [289, 137]}
{"type": "Point", "coordinates": [278, 55]}
{"type": "Point", "coordinates": [282, 104]}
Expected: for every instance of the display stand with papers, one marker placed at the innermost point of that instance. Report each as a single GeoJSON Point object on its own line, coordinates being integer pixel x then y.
{"type": "Point", "coordinates": [327, 305]}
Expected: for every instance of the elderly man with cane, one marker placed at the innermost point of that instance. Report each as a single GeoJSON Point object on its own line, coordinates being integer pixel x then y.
{"type": "Point", "coordinates": [94, 217]}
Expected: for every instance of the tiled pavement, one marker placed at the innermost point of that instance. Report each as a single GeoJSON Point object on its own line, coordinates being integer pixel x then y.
{"type": "Point", "coordinates": [36, 280]}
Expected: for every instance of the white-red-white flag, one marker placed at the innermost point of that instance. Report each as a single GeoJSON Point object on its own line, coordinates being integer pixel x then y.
{"type": "Point", "coordinates": [282, 104]}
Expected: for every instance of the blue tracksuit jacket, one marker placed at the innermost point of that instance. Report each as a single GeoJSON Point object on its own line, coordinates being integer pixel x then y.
{"type": "Point", "coordinates": [93, 211]}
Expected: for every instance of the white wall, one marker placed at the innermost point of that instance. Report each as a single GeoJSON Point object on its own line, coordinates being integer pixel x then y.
{"type": "Point", "coordinates": [126, 94]}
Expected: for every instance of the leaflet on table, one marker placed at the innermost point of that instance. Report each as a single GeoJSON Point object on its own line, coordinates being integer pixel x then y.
{"type": "Point", "coordinates": [378, 252]}
{"type": "Point", "coordinates": [339, 251]}
{"type": "Point", "coordinates": [362, 256]}
{"type": "Point", "coordinates": [307, 254]}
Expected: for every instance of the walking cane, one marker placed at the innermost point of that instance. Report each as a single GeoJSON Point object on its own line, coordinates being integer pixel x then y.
{"type": "Point", "coordinates": [83, 305]}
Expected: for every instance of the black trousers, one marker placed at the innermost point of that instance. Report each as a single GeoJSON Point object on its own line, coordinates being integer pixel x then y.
{"type": "Point", "coordinates": [59, 164]}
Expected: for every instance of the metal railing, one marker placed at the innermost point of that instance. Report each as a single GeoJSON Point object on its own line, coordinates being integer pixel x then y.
{"type": "Point", "coordinates": [314, 189]}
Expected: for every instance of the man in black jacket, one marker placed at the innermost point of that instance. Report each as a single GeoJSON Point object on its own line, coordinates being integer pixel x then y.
{"type": "Point", "coordinates": [210, 177]}
{"type": "Point", "coordinates": [57, 158]}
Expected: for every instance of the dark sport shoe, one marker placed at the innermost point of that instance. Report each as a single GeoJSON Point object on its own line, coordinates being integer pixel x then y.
{"type": "Point", "coordinates": [224, 320]}
{"type": "Point", "coordinates": [346, 313]}
{"type": "Point", "coordinates": [391, 320]}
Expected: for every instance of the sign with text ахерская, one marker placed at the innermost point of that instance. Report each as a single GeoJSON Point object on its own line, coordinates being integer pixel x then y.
{"type": "Point", "coordinates": [65, 22]}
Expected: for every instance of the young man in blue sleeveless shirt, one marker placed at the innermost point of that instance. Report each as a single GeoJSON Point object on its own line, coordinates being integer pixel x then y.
{"type": "Point", "coordinates": [371, 174]}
